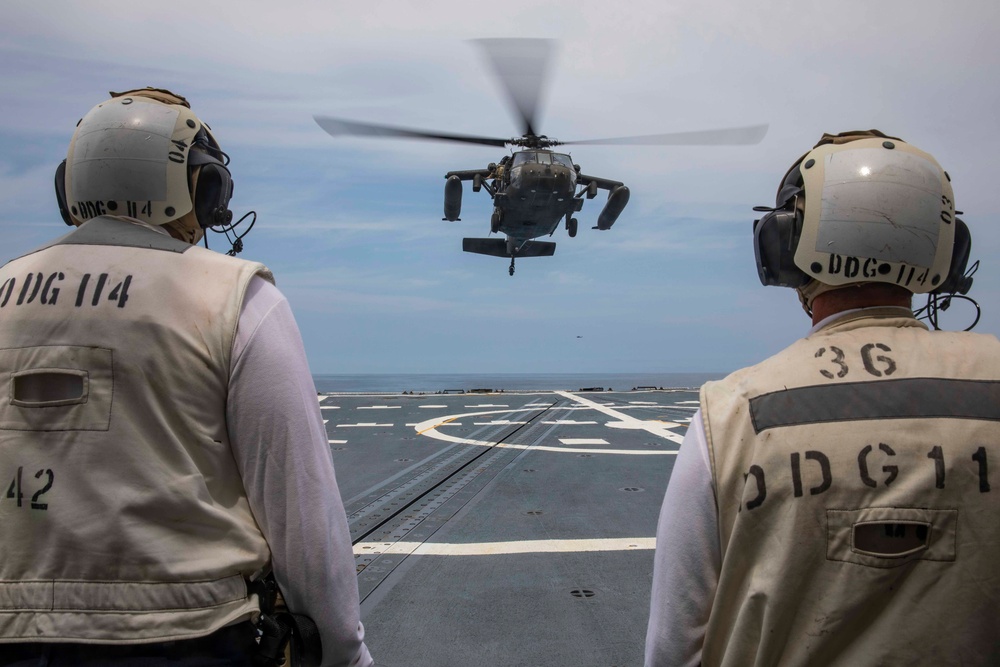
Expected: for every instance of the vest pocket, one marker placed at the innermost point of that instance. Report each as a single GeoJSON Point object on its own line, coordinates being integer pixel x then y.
{"type": "Point", "coordinates": [888, 537]}
{"type": "Point", "coordinates": [56, 388]}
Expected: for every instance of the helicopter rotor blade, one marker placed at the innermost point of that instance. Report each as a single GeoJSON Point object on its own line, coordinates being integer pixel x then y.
{"type": "Point", "coordinates": [522, 67]}
{"type": "Point", "coordinates": [339, 127]}
{"type": "Point", "coordinates": [731, 136]}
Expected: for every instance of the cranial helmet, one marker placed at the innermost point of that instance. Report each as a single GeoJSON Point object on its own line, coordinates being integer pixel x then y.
{"type": "Point", "coordinates": [863, 207]}
{"type": "Point", "coordinates": [145, 155]}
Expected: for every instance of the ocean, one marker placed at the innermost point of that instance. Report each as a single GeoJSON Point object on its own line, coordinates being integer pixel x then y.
{"type": "Point", "coordinates": [431, 383]}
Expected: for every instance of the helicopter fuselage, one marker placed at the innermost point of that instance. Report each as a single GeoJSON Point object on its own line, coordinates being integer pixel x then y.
{"type": "Point", "coordinates": [536, 192]}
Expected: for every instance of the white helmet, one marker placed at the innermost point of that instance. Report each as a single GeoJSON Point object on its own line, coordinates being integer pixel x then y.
{"type": "Point", "coordinates": [862, 207]}
{"type": "Point", "coordinates": [145, 155]}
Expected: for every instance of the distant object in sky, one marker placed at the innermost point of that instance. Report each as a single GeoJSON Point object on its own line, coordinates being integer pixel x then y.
{"type": "Point", "coordinates": [535, 188]}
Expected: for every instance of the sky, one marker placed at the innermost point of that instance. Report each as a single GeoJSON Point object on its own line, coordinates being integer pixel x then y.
{"type": "Point", "coordinates": [352, 228]}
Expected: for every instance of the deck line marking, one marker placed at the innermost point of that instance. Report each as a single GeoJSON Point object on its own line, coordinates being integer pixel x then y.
{"type": "Point", "coordinates": [429, 428]}
{"type": "Point", "coordinates": [329, 407]}
{"type": "Point", "coordinates": [432, 406]}
{"type": "Point", "coordinates": [626, 421]}
{"type": "Point", "coordinates": [379, 407]}
{"type": "Point", "coordinates": [362, 424]}
{"type": "Point", "coordinates": [584, 441]}
{"type": "Point", "coordinates": [507, 548]}
{"type": "Point", "coordinates": [569, 422]}
{"type": "Point", "coordinates": [338, 442]}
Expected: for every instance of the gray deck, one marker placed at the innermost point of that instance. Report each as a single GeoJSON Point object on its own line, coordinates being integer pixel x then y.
{"type": "Point", "coordinates": [505, 528]}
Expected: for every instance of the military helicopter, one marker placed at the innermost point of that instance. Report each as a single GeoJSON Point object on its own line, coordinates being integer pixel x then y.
{"type": "Point", "coordinates": [533, 189]}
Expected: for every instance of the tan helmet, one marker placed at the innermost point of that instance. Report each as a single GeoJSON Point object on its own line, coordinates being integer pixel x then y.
{"type": "Point", "coordinates": [861, 207]}
{"type": "Point", "coordinates": [145, 155]}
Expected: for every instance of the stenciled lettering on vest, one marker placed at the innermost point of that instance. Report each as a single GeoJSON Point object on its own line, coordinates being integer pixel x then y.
{"type": "Point", "coordinates": [18, 487]}
{"type": "Point", "coordinates": [868, 267]}
{"type": "Point", "coordinates": [875, 364]}
{"type": "Point", "coordinates": [820, 471]}
{"type": "Point", "coordinates": [44, 289]}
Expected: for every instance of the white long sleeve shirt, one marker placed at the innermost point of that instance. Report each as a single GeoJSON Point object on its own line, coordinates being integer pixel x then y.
{"type": "Point", "coordinates": [280, 445]}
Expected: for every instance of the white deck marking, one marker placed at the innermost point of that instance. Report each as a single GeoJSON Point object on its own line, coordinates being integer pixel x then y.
{"type": "Point", "coordinates": [338, 442]}
{"type": "Point", "coordinates": [379, 407]}
{"type": "Point", "coordinates": [688, 402]}
{"type": "Point", "coordinates": [496, 422]}
{"type": "Point", "coordinates": [502, 548]}
{"type": "Point", "coordinates": [326, 421]}
{"type": "Point", "coordinates": [322, 398]}
{"type": "Point", "coordinates": [363, 424]}
{"type": "Point", "coordinates": [487, 405]}
{"type": "Point", "coordinates": [432, 406]}
{"type": "Point", "coordinates": [584, 441]}
{"type": "Point", "coordinates": [655, 427]}
{"type": "Point", "coordinates": [430, 426]}
{"type": "Point", "coordinates": [329, 407]}
{"type": "Point", "coordinates": [569, 422]}
{"type": "Point", "coordinates": [642, 403]}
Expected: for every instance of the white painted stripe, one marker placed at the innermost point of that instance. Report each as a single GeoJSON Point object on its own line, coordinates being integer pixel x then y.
{"type": "Point", "coordinates": [379, 407]}
{"type": "Point", "coordinates": [329, 407]}
{"type": "Point", "coordinates": [583, 441]}
{"type": "Point", "coordinates": [338, 442]}
{"type": "Point", "coordinates": [326, 421]}
{"type": "Point", "coordinates": [641, 403]}
{"type": "Point", "coordinates": [688, 402]}
{"type": "Point", "coordinates": [364, 424]}
{"type": "Point", "coordinates": [430, 429]}
{"type": "Point", "coordinates": [487, 405]}
{"type": "Point", "coordinates": [655, 427]}
{"type": "Point", "coordinates": [569, 422]}
{"type": "Point", "coordinates": [508, 548]}
{"type": "Point", "coordinates": [322, 398]}
{"type": "Point", "coordinates": [496, 422]}
{"type": "Point", "coordinates": [432, 406]}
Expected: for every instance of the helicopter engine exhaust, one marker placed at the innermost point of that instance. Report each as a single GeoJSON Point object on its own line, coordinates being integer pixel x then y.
{"type": "Point", "coordinates": [617, 199]}
{"type": "Point", "coordinates": [452, 198]}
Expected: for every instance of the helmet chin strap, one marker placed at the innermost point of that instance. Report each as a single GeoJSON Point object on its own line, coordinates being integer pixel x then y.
{"type": "Point", "coordinates": [808, 293]}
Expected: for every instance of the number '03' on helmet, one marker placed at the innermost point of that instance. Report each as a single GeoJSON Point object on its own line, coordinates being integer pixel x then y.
{"type": "Point", "coordinates": [144, 154]}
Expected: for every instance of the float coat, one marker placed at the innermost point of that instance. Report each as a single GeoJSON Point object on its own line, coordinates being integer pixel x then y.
{"type": "Point", "coordinates": [858, 522]}
{"type": "Point", "coordinates": [130, 523]}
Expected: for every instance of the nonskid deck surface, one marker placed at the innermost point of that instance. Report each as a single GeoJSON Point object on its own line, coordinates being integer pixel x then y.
{"type": "Point", "coordinates": [512, 528]}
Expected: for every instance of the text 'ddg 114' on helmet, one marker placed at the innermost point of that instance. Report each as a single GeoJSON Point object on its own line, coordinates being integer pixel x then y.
{"type": "Point", "coordinates": [863, 207]}
{"type": "Point", "coordinates": [144, 154]}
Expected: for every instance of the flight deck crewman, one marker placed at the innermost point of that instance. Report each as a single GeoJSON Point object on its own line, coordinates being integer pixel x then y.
{"type": "Point", "coordinates": [160, 440]}
{"type": "Point", "coordinates": [837, 504]}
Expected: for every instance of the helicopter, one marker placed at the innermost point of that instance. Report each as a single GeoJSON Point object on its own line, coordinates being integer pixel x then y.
{"type": "Point", "coordinates": [533, 189]}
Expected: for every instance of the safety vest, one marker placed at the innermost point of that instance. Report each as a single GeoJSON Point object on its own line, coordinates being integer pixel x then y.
{"type": "Point", "coordinates": [124, 518]}
{"type": "Point", "coordinates": [858, 500]}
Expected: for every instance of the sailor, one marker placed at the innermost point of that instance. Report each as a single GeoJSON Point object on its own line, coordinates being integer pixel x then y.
{"type": "Point", "coordinates": [161, 445]}
{"type": "Point", "coordinates": [837, 504]}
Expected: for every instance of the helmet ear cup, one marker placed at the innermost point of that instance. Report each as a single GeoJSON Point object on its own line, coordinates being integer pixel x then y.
{"type": "Point", "coordinates": [957, 282]}
{"type": "Point", "coordinates": [213, 188]}
{"type": "Point", "coordinates": [61, 194]}
{"type": "Point", "coordinates": [775, 237]}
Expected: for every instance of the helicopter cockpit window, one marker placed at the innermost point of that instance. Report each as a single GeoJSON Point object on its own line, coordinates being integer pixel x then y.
{"type": "Point", "coordinates": [523, 157]}
{"type": "Point", "coordinates": [564, 160]}
{"type": "Point", "coordinates": [544, 158]}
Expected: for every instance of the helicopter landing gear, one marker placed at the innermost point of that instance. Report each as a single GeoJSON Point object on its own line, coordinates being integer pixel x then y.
{"type": "Point", "coordinates": [511, 269]}
{"type": "Point", "coordinates": [571, 226]}
{"type": "Point", "coordinates": [495, 222]}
